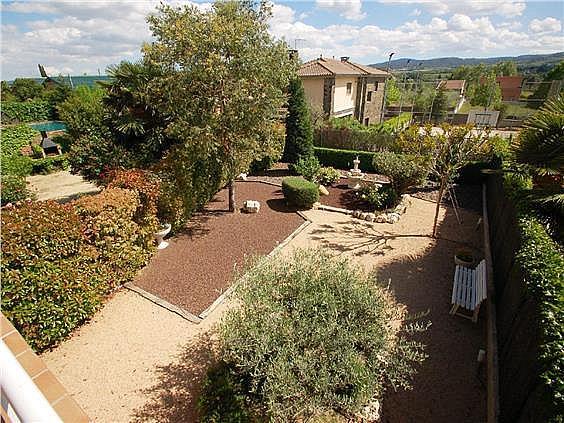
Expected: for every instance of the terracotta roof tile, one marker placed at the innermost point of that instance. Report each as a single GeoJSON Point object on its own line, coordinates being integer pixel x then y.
{"type": "Point", "coordinates": [332, 67]}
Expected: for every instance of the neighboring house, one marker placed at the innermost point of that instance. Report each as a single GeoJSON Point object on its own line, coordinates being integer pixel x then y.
{"type": "Point", "coordinates": [456, 85]}
{"type": "Point", "coordinates": [510, 87]}
{"type": "Point", "coordinates": [455, 90]}
{"type": "Point", "coordinates": [342, 88]}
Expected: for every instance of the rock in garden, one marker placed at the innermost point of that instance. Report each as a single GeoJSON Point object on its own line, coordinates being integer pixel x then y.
{"type": "Point", "coordinates": [370, 217]}
{"type": "Point", "coordinates": [323, 190]}
{"type": "Point", "coordinates": [356, 213]}
{"type": "Point", "coordinates": [316, 205]}
{"type": "Point", "coordinates": [363, 216]}
{"type": "Point", "coordinates": [251, 206]}
{"type": "Point", "coordinates": [393, 217]}
{"type": "Point", "coordinates": [242, 177]}
{"type": "Point", "coordinates": [381, 218]}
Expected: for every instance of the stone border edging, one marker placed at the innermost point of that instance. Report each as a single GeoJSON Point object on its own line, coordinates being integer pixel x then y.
{"type": "Point", "coordinates": [165, 304]}
{"type": "Point", "coordinates": [198, 319]}
{"type": "Point", "coordinates": [275, 251]}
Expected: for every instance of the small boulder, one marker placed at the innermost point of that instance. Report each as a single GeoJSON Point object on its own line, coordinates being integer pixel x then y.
{"type": "Point", "coordinates": [323, 190]}
{"type": "Point", "coordinates": [251, 206]}
{"type": "Point", "coordinates": [363, 216]}
{"type": "Point", "coordinates": [242, 177]}
{"type": "Point", "coordinates": [381, 218]}
{"type": "Point", "coordinates": [370, 217]}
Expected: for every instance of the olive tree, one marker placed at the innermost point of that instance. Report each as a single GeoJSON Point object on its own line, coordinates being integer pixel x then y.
{"type": "Point", "coordinates": [224, 80]}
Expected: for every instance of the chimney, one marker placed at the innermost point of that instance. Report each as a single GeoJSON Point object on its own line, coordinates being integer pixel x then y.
{"type": "Point", "coordinates": [345, 58]}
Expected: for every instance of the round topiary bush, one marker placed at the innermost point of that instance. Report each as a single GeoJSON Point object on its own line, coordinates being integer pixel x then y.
{"type": "Point", "coordinates": [299, 192]}
{"type": "Point", "coordinates": [314, 334]}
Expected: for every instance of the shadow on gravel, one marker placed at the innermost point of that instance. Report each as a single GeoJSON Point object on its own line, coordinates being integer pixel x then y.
{"type": "Point", "coordinates": [174, 396]}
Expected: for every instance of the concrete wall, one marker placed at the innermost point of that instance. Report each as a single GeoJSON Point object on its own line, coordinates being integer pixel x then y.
{"type": "Point", "coordinates": [343, 103]}
{"type": "Point", "coordinates": [313, 88]}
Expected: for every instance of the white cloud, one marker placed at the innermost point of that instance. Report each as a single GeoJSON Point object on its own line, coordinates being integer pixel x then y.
{"type": "Point", "coordinates": [545, 25]}
{"type": "Point", "coordinates": [415, 12]}
{"type": "Point", "coordinates": [508, 8]}
{"type": "Point", "coordinates": [348, 9]}
{"type": "Point", "coordinates": [83, 37]}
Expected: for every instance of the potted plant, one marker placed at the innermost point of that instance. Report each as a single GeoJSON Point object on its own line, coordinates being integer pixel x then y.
{"type": "Point", "coordinates": [464, 257]}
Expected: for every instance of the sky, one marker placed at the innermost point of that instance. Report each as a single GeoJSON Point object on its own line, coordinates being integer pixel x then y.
{"type": "Point", "coordinates": [84, 37]}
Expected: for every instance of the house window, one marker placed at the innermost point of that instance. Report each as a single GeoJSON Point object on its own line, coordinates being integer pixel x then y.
{"type": "Point", "coordinates": [349, 87]}
{"type": "Point", "coordinates": [376, 86]}
{"type": "Point", "coordinates": [369, 96]}
{"type": "Point", "coordinates": [367, 121]}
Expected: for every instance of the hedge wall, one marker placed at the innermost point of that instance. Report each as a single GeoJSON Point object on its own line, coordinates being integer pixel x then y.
{"type": "Point", "coordinates": [26, 111]}
{"type": "Point", "coordinates": [529, 284]}
{"type": "Point", "coordinates": [60, 261]}
{"type": "Point", "coordinates": [343, 159]}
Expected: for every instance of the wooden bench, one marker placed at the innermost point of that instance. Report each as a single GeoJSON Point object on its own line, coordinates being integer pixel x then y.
{"type": "Point", "coordinates": [469, 290]}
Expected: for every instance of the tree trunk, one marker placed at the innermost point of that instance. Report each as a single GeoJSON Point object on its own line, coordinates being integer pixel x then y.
{"type": "Point", "coordinates": [441, 192]}
{"type": "Point", "coordinates": [231, 195]}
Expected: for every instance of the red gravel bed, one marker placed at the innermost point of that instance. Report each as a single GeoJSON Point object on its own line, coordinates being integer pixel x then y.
{"type": "Point", "coordinates": [341, 196]}
{"type": "Point", "coordinates": [198, 265]}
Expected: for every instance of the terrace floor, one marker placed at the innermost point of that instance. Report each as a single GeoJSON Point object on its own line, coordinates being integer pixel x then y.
{"type": "Point", "coordinates": [136, 361]}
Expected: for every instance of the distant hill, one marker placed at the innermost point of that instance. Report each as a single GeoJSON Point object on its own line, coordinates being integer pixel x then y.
{"type": "Point", "coordinates": [444, 63]}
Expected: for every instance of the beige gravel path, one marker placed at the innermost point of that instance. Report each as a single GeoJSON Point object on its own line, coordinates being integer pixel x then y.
{"type": "Point", "coordinates": [60, 186]}
{"type": "Point", "coordinates": [136, 361]}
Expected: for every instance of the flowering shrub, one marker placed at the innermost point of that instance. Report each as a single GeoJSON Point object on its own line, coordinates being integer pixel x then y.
{"type": "Point", "coordinates": [327, 175]}
{"type": "Point", "coordinates": [59, 261]}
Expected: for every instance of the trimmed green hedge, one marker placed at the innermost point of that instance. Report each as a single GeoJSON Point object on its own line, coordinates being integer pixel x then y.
{"type": "Point", "coordinates": [27, 111]}
{"type": "Point", "coordinates": [299, 192]}
{"type": "Point", "coordinates": [541, 260]}
{"type": "Point", "coordinates": [48, 165]}
{"type": "Point", "coordinates": [343, 159]}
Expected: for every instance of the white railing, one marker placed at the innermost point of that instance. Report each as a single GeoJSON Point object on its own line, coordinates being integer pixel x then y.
{"type": "Point", "coordinates": [21, 398]}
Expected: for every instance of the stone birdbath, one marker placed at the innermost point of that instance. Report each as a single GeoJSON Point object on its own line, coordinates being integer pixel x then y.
{"type": "Point", "coordinates": [160, 234]}
{"type": "Point", "coordinates": [355, 175]}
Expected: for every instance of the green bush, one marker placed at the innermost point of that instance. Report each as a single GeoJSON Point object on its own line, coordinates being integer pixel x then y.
{"type": "Point", "coordinates": [15, 167]}
{"type": "Point", "coordinates": [343, 159]}
{"type": "Point", "coordinates": [308, 167]}
{"type": "Point", "coordinates": [60, 261]}
{"type": "Point", "coordinates": [48, 165]}
{"type": "Point", "coordinates": [261, 165]}
{"type": "Point", "coordinates": [327, 175]}
{"type": "Point", "coordinates": [314, 334]}
{"type": "Point", "coordinates": [13, 188]}
{"type": "Point", "coordinates": [299, 192]}
{"type": "Point", "coordinates": [541, 260]}
{"type": "Point", "coordinates": [299, 132]}
{"type": "Point", "coordinates": [27, 111]}
{"type": "Point", "coordinates": [49, 278]}
{"type": "Point", "coordinates": [379, 196]}
{"type": "Point", "coordinates": [403, 170]}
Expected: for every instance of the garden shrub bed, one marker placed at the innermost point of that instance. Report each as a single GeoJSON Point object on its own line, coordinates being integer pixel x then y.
{"type": "Point", "coordinates": [27, 111]}
{"type": "Point", "coordinates": [60, 261]}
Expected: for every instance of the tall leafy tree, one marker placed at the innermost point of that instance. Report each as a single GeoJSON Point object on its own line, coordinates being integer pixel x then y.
{"type": "Point", "coordinates": [26, 88]}
{"type": "Point", "coordinates": [299, 131]}
{"type": "Point", "coordinates": [224, 79]}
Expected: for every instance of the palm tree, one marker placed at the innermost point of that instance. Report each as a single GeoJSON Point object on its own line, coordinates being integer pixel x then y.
{"type": "Point", "coordinates": [540, 148]}
{"type": "Point", "coordinates": [133, 117]}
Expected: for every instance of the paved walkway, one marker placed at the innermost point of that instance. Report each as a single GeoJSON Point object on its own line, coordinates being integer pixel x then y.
{"type": "Point", "coordinates": [62, 186]}
{"type": "Point", "coordinates": [137, 361]}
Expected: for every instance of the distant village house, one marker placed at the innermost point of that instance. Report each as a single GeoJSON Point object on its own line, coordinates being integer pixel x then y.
{"type": "Point", "coordinates": [510, 87]}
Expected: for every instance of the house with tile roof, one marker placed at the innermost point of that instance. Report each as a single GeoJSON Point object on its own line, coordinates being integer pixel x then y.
{"type": "Point", "coordinates": [510, 87]}
{"type": "Point", "coordinates": [343, 88]}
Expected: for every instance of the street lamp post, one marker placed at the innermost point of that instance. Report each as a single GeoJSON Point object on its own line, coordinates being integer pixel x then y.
{"type": "Point", "coordinates": [382, 109]}
{"type": "Point", "coordinates": [403, 83]}
{"type": "Point", "coordinates": [417, 86]}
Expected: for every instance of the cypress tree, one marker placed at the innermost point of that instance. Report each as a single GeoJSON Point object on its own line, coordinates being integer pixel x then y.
{"type": "Point", "coordinates": [299, 132]}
